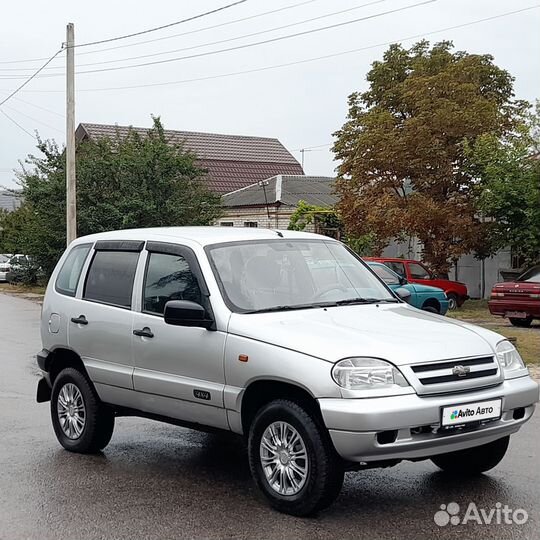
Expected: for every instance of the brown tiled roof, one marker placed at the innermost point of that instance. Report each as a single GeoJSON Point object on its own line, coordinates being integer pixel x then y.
{"type": "Point", "coordinates": [226, 176]}
{"type": "Point", "coordinates": [232, 161]}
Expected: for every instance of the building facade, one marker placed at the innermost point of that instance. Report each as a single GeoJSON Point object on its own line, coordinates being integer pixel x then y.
{"type": "Point", "coordinates": [271, 203]}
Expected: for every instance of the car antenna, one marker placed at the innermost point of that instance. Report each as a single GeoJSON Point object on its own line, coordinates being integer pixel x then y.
{"type": "Point", "coordinates": [279, 233]}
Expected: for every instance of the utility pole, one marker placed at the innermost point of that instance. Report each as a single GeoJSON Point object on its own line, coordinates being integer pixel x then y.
{"type": "Point", "coordinates": [71, 181]}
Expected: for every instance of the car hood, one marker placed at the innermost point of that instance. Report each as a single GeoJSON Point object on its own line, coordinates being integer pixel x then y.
{"type": "Point", "coordinates": [425, 288]}
{"type": "Point", "coordinates": [395, 332]}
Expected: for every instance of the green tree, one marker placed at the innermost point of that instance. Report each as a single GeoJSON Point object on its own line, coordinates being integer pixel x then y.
{"type": "Point", "coordinates": [401, 155]}
{"type": "Point", "coordinates": [121, 183]}
{"type": "Point", "coordinates": [307, 214]}
{"type": "Point", "coordinates": [508, 171]}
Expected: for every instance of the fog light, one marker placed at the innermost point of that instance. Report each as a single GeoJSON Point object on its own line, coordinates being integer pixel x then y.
{"type": "Point", "coordinates": [387, 437]}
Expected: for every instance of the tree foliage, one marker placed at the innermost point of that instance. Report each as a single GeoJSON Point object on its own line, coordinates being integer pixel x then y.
{"type": "Point", "coordinates": [402, 167]}
{"type": "Point", "coordinates": [509, 189]}
{"type": "Point", "coordinates": [307, 214]}
{"type": "Point", "coordinates": [121, 183]}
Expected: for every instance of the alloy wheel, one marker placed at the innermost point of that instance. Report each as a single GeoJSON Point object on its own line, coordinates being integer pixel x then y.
{"type": "Point", "coordinates": [284, 458]}
{"type": "Point", "coordinates": [71, 411]}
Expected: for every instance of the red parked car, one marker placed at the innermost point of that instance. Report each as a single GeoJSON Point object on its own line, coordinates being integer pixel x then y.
{"type": "Point", "coordinates": [518, 300]}
{"type": "Point", "coordinates": [416, 272]}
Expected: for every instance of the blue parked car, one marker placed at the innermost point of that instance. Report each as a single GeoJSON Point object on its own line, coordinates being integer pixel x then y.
{"type": "Point", "coordinates": [422, 296]}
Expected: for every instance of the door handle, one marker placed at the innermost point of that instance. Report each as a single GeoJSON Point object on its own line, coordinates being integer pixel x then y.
{"type": "Point", "coordinates": [81, 319]}
{"type": "Point", "coordinates": [145, 332]}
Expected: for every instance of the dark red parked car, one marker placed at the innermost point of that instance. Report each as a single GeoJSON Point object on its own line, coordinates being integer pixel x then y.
{"type": "Point", "coordinates": [518, 300]}
{"type": "Point", "coordinates": [416, 272]}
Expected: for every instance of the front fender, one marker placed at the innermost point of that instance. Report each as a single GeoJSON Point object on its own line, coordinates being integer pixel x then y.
{"type": "Point", "coordinates": [267, 361]}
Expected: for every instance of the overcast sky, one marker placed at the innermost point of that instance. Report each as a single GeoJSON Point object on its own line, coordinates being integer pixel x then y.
{"type": "Point", "coordinates": [302, 104]}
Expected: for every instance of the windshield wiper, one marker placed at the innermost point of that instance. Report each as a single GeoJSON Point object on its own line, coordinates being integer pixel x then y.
{"type": "Point", "coordinates": [283, 308]}
{"type": "Point", "coordinates": [360, 300]}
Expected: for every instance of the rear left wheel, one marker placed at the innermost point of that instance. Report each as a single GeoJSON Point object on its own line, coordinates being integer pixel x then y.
{"type": "Point", "coordinates": [81, 422]}
{"type": "Point", "coordinates": [521, 323]}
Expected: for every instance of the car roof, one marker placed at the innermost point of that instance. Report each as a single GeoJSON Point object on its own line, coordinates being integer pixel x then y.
{"type": "Point", "coordinates": [202, 235]}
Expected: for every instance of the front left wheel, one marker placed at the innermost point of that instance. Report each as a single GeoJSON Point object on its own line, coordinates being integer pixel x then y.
{"type": "Point", "coordinates": [292, 459]}
{"type": "Point", "coordinates": [81, 422]}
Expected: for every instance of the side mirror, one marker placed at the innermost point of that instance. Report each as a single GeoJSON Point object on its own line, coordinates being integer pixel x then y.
{"type": "Point", "coordinates": [186, 313]}
{"type": "Point", "coordinates": [404, 294]}
{"type": "Point", "coordinates": [403, 280]}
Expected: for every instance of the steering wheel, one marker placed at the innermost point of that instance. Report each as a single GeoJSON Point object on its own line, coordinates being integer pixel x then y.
{"type": "Point", "coordinates": [334, 287]}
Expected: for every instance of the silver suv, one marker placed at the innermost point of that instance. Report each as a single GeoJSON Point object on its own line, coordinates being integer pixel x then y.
{"type": "Point", "coordinates": [286, 338]}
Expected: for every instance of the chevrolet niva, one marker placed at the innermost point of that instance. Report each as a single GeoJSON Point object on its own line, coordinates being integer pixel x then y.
{"type": "Point", "coordinates": [286, 338]}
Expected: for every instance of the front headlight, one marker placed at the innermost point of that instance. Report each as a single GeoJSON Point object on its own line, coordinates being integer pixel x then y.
{"type": "Point", "coordinates": [366, 374]}
{"type": "Point", "coordinates": [509, 358]}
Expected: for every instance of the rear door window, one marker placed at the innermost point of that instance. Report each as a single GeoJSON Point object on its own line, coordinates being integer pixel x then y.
{"type": "Point", "coordinates": [68, 277]}
{"type": "Point", "coordinates": [110, 278]}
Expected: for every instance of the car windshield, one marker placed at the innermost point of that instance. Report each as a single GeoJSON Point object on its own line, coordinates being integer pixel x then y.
{"type": "Point", "coordinates": [389, 277]}
{"type": "Point", "coordinates": [275, 275]}
{"type": "Point", "coordinates": [3, 258]}
{"type": "Point", "coordinates": [532, 274]}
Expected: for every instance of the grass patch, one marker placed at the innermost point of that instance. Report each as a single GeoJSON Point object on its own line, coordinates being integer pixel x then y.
{"type": "Point", "coordinates": [472, 309]}
{"type": "Point", "coordinates": [527, 339]}
{"type": "Point", "coordinates": [22, 289]}
{"type": "Point", "coordinates": [528, 342]}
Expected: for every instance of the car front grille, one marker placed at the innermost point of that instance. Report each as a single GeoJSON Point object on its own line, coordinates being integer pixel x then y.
{"type": "Point", "coordinates": [455, 375]}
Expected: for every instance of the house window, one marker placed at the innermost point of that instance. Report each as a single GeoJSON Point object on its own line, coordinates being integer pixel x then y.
{"type": "Point", "coordinates": [226, 224]}
{"type": "Point", "coordinates": [251, 224]}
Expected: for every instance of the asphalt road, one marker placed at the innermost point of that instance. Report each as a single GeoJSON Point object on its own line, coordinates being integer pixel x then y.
{"type": "Point", "coordinates": [160, 481]}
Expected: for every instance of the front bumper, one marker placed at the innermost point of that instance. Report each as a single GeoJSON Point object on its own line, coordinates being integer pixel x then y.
{"type": "Point", "coordinates": [407, 426]}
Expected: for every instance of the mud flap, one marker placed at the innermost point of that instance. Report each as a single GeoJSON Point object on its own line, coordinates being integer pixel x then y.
{"type": "Point", "coordinates": [43, 391]}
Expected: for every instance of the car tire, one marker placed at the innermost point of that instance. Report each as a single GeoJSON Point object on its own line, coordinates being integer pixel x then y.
{"type": "Point", "coordinates": [521, 323]}
{"type": "Point", "coordinates": [473, 461]}
{"type": "Point", "coordinates": [280, 477]}
{"type": "Point", "coordinates": [431, 309]}
{"type": "Point", "coordinates": [81, 422]}
{"type": "Point", "coordinates": [452, 301]}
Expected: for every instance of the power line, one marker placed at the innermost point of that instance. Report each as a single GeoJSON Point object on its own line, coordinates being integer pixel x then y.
{"type": "Point", "coordinates": [312, 147]}
{"type": "Point", "coordinates": [147, 31]}
{"type": "Point", "coordinates": [31, 77]}
{"type": "Point", "coordinates": [216, 42]}
{"type": "Point", "coordinates": [36, 106]}
{"type": "Point", "coordinates": [247, 45]}
{"type": "Point", "coordinates": [307, 60]}
{"type": "Point", "coordinates": [237, 37]}
{"type": "Point", "coordinates": [196, 31]}
{"type": "Point", "coordinates": [40, 107]}
{"type": "Point", "coordinates": [33, 119]}
{"type": "Point", "coordinates": [17, 124]}
{"type": "Point", "coordinates": [297, 62]}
